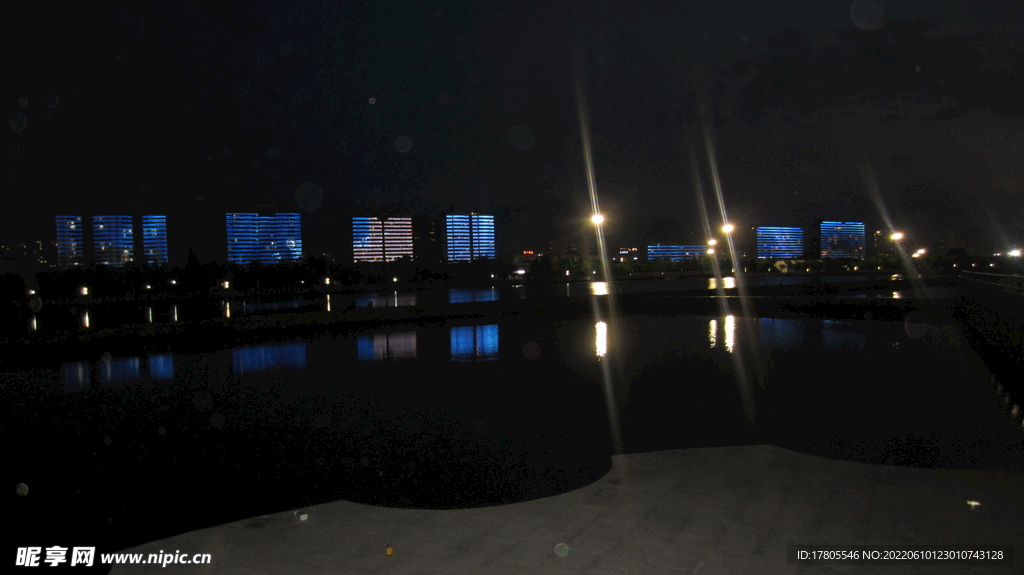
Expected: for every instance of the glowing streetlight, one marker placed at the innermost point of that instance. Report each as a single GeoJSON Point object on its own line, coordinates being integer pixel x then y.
{"type": "Point", "coordinates": [896, 236]}
{"type": "Point", "coordinates": [711, 251]}
{"type": "Point", "coordinates": [1015, 253]}
{"type": "Point", "coordinates": [727, 228]}
{"type": "Point", "coordinates": [712, 242]}
{"type": "Point", "coordinates": [597, 219]}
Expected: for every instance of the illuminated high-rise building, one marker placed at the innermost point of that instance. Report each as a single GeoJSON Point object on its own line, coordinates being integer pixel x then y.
{"type": "Point", "coordinates": [265, 239]}
{"type": "Point", "coordinates": [780, 242]}
{"type": "Point", "coordinates": [675, 253]}
{"type": "Point", "coordinates": [469, 237]}
{"type": "Point", "coordinates": [154, 240]}
{"type": "Point", "coordinates": [841, 239]}
{"type": "Point", "coordinates": [113, 240]}
{"type": "Point", "coordinates": [381, 238]}
{"type": "Point", "coordinates": [70, 241]}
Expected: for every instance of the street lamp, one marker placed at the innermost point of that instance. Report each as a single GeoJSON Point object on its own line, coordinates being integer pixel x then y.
{"type": "Point", "coordinates": [712, 242]}
{"type": "Point", "coordinates": [896, 236]}
{"type": "Point", "coordinates": [727, 228]}
{"type": "Point", "coordinates": [597, 219]}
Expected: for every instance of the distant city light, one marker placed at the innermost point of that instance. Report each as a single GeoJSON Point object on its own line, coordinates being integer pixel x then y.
{"type": "Point", "coordinates": [521, 272]}
{"type": "Point", "coordinates": [394, 279]}
{"type": "Point", "coordinates": [173, 282]}
{"type": "Point", "coordinates": [31, 292]}
{"type": "Point", "coordinates": [83, 290]}
{"type": "Point", "coordinates": [147, 286]}
{"type": "Point", "coordinates": [1015, 253]}
{"type": "Point", "coordinates": [527, 252]}
{"type": "Point", "coordinates": [327, 281]}
{"type": "Point", "coordinates": [226, 284]}
{"type": "Point", "coordinates": [597, 219]}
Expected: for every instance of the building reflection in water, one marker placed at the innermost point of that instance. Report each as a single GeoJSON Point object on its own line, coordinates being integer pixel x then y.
{"type": "Point", "coordinates": [599, 288]}
{"type": "Point", "coordinates": [77, 375]}
{"type": "Point", "coordinates": [119, 370]}
{"type": "Point", "coordinates": [380, 346]}
{"type": "Point", "coordinates": [781, 333]}
{"type": "Point", "coordinates": [601, 338]}
{"type": "Point", "coordinates": [836, 334]}
{"type": "Point", "coordinates": [393, 300]}
{"type": "Point", "coordinates": [474, 342]}
{"type": "Point", "coordinates": [328, 303]}
{"type": "Point", "coordinates": [33, 324]}
{"type": "Point", "coordinates": [263, 357]}
{"type": "Point", "coordinates": [161, 366]}
{"type": "Point", "coordinates": [727, 283]}
{"type": "Point", "coordinates": [85, 318]}
{"type": "Point", "coordinates": [227, 309]}
{"type": "Point", "coordinates": [149, 314]}
{"type": "Point", "coordinates": [467, 295]}
{"type": "Point", "coordinates": [730, 332]}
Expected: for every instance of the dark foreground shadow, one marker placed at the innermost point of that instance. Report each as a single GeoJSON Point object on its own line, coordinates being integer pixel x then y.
{"type": "Point", "coordinates": [114, 468]}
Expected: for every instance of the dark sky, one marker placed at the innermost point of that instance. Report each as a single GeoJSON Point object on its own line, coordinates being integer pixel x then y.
{"type": "Point", "coordinates": [195, 109]}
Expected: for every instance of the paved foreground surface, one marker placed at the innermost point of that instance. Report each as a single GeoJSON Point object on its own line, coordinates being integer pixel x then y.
{"type": "Point", "coordinates": [705, 511]}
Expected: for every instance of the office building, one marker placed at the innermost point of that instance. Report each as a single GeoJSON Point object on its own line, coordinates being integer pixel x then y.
{"type": "Point", "coordinates": [266, 239]}
{"type": "Point", "coordinates": [381, 238]}
{"type": "Point", "coordinates": [469, 237]}
{"type": "Point", "coordinates": [675, 253]}
{"type": "Point", "coordinates": [840, 239]}
{"type": "Point", "coordinates": [780, 242]}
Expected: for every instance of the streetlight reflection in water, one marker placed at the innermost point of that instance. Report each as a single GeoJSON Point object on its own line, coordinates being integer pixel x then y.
{"type": "Point", "coordinates": [730, 332]}
{"type": "Point", "coordinates": [727, 283]}
{"type": "Point", "coordinates": [601, 329]}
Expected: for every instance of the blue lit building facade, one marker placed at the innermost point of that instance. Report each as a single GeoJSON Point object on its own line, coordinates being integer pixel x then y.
{"type": "Point", "coordinates": [841, 239]}
{"type": "Point", "coordinates": [70, 241]}
{"type": "Point", "coordinates": [780, 242]}
{"type": "Point", "coordinates": [381, 239]}
{"type": "Point", "coordinates": [675, 253]}
{"type": "Point", "coordinates": [113, 240]}
{"type": "Point", "coordinates": [154, 240]}
{"type": "Point", "coordinates": [265, 239]}
{"type": "Point", "coordinates": [469, 237]}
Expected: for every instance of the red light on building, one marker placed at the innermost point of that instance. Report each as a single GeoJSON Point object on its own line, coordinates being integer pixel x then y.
{"type": "Point", "coordinates": [527, 252]}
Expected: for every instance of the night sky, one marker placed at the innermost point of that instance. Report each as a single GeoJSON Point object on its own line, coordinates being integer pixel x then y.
{"type": "Point", "coordinates": [194, 109]}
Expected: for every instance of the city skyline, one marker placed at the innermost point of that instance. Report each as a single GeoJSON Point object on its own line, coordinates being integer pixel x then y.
{"type": "Point", "coordinates": [913, 119]}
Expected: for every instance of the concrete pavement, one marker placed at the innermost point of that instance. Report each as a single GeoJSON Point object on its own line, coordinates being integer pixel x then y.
{"type": "Point", "coordinates": [707, 511]}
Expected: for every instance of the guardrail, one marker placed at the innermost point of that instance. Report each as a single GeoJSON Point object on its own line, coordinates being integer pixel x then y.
{"type": "Point", "coordinates": [1009, 283]}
